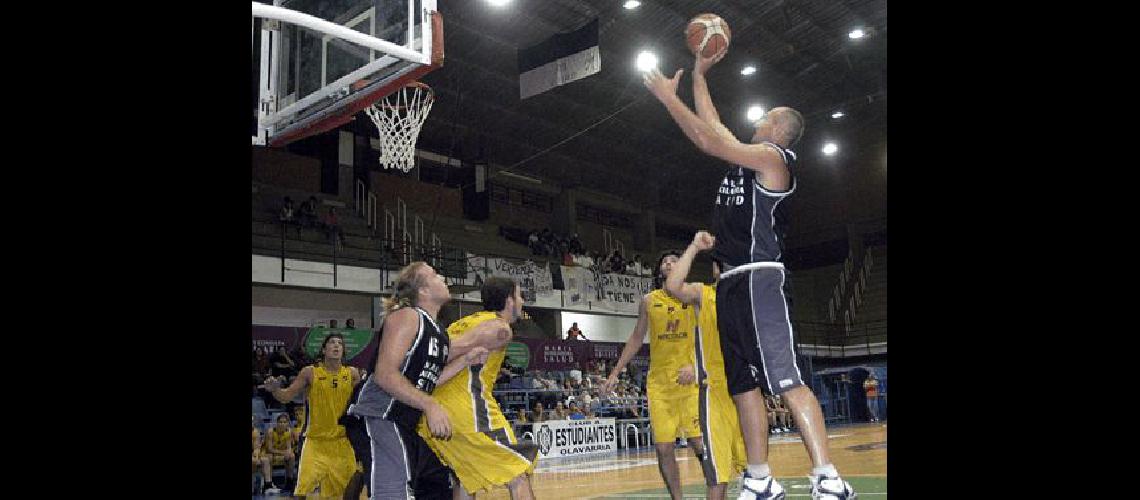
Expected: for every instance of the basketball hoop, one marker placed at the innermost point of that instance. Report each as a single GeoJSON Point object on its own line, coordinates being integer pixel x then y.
{"type": "Point", "coordinates": [400, 116]}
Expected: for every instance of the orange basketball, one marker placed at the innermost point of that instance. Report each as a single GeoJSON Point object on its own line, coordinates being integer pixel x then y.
{"type": "Point", "coordinates": [707, 33]}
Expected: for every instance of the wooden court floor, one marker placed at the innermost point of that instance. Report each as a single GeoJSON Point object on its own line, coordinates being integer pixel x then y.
{"type": "Point", "coordinates": [859, 451]}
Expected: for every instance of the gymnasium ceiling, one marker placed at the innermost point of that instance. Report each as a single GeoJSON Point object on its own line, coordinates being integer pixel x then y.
{"type": "Point", "coordinates": [804, 59]}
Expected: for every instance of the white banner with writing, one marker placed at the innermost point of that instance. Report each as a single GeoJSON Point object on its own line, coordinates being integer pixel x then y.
{"type": "Point", "coordinates": [572, 438]}
{"type": "Point", "coordinates": [535, 280]}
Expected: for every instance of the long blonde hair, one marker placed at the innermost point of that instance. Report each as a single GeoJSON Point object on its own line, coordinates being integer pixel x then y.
{"type": "Point", "coordinates": [408, 283]}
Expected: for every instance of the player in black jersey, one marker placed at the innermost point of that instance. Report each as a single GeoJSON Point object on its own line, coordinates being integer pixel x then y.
{"type": "Point", "coordinates": [752, 306]}
{"type": "Point", "coordinates": [414, 356]}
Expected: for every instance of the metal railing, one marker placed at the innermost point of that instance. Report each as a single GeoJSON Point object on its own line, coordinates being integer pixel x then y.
{"type": "Point", "coordinates": [829, 340]}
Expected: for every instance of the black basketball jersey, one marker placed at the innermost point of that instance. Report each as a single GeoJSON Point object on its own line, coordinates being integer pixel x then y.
{"type": "Point", "coordinates": [745, 220]}
{"type": "Point", "coordinates": [422, 365]}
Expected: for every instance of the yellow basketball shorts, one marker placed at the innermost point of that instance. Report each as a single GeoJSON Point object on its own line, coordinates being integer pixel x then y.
{"type": "Point", "coordinates": [328, 463]}
{"type": "Point", "coordinates": [673, 415]}
{"type": "Point", "coordinates": [482, 460]}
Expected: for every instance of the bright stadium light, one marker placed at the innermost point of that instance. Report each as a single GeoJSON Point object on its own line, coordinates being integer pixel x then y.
{"type": "Point", "coordinates": [755, 113]}
{"type": "Point", "coordinates": [646, 61]}
{"type": "Point", "coordinates": [830, 149]}
{"type": "Point", "coordinates": [856, 34]}
{"type": "Point", "coordinates": [632, 4]}
{"type": "Point", "coordinates": [837, 115]}
{"type": "Point", "coordinates": [498, 3]}
{"type": "Point", "coordinates": [748, 70]}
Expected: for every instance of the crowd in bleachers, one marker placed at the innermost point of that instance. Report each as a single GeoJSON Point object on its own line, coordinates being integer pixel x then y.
{"type": "Point", "coordinates": [307, 217]}
{"type": "Point", "coordinates": [537, 395]}
{"type": "Point", "coordinates": [569, 251]}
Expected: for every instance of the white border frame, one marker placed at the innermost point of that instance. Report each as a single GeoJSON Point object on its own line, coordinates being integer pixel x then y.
{"type": "Point", "coordinates": [370, 15]}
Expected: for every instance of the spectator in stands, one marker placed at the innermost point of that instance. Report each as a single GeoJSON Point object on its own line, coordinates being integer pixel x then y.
{"type": "Point", "coordinates": [309, 212]}
{"type": "Point", "coordinates": [546, 237]}
{"type": "Point", "coordinates": [633, 267]}
{"type": "Point", "coordinates": [260, 460]}
{"type": "Point", "coordinates": [596, 402]}
{"type": "Point", "coordinates": [282, 365]}
{"type": "Point", "coordinates": [349, 323]}
{"type": "Point", "coordinates": [299, 357]}
{"type": "Point", "coordinates": [567, 258]}
{"type": "Point", "coordinates": [279, 445]}
{"type": "Point", "coordinates": [534, 243]}
{"type": "Point", "coordinates": [576, 244]}
{"type": "Point", "coordinates": [617, 265]}
{"type": "Point", "coordinates": [549, 383]}
{"type": "Point", "coordinates": [562, 246]}
{"type": "Point", "coordinates": [567, 387]}
{"type": "Point", "coordinates": [332, 323]}
{"type": "Point", "coordinates": [601, 263]}
{"type": "Point", "coordinates": [871, 386]}
{"type": "Point", "coordinates": [629, 404]}
{"type": "Point", "coordinates": [332, 226]}
{"type": "Point", "coordinates": [574, 413]}
{"type": "Point", "coordinates": [776, 416]}
{"type": "Point", "coordinates": [574, 333]}
{"type": "Point", "coordinates": [559, 412]}
{"type": "Point", "coordinates": [584, 399]}
{"type": "Point", "coordinates": [289, 214]}
{"type": "Point", "coordinates": [576, 372]}
{"type": "Point", "coordinates": [505, 375]}
{"type": "Point", "coordinates": [261, 362]}
{"type": "Point", "coordinates": [539, 414]}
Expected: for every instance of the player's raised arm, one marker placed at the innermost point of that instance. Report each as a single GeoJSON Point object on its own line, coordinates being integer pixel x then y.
{"type": "Point", "coordinates": [758, 157]}
{"type": "Point", "coordinates": [702, 99]}
{"type": "Point", "coordinates": [689, 293]}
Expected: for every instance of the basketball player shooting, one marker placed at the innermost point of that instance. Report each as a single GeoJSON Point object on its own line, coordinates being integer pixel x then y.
{"type": "Point", "coordinates": [752, 308]}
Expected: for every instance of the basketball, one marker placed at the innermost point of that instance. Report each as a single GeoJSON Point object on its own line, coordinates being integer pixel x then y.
{"type": "Point", "coordinates": [707, 33]}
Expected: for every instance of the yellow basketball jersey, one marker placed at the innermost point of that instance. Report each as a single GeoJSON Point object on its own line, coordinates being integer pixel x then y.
{"type": "Point", "coordinates": [281, 440]}
{"type": "Point", "coordinates": [467, 396]}
{"type": "Point", "coordinates": [711, 357]}
{"type": "Point", "coordinates": [671, 346]}
{"type": "Point", "coordinates": [328, 396]}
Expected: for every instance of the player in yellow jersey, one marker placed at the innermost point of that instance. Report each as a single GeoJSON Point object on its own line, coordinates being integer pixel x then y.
{"type": "Point", "coordinates": [483, 452]}
{"type": "Point", "coordinates": [725, 457]}
{"type": "Point", "coordinates": [259, 458]}
{"type": "Point", "coordinates": [279, 446]}
{"type": "Point", "coordinates": [327, 460]}
{"type": "Point", "coordinates": [671, 382]}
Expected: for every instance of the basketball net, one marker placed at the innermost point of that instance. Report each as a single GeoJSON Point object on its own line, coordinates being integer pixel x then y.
{"type": "Point", "coordinates": [400, 116]}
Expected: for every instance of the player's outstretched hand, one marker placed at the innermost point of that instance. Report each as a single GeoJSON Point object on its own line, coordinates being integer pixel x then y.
{"type": "Point", "coordinates": [271, 384]}
{"type": "Point", "coordinates": [660, 86]}
{"type": "Point", "coordinates": [703, 64]}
